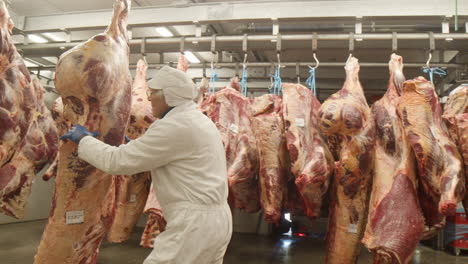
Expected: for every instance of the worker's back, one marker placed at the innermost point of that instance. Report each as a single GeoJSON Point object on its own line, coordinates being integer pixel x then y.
{"type": "Point", "coordinates": [198, 175]}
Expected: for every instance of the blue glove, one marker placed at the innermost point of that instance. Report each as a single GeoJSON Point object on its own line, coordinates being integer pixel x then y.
{"type": "Point", "coordinates": [127, 139]}
{"type": "Point", "coordinates": [77, 132]}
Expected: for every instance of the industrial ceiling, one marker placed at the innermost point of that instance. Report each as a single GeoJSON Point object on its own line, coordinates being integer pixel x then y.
{"type": "Point", "coordinates": [370, 30]}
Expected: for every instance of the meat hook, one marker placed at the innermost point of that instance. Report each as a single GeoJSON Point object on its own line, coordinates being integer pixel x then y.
{"type": "Point", "coordinates": [349, 57]}
{"type": "Point", "coordinates": [317, 62]}
{"type": "Point", "coordinates": [429, 60]}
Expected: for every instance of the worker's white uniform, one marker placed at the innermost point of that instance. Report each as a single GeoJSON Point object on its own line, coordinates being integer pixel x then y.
{"type": "Point", "coordinates": [185, 155]}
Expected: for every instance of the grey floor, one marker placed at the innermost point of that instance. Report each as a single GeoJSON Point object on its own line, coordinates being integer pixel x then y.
{"type": "Point", "coordinates": [18, 243]}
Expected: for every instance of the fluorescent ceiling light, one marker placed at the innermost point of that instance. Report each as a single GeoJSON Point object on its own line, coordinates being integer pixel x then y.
{"type": "Point", "coordinates": [37, 38]}
{"type": "Point", "coordinates": [359, 39]}
{"type": "Point", "coordinates": [30, 64]}
{"type": "Point", "coordinates": [164, 32]}
{"type": "Point", "coordinates": [448, 39]}
{"type": "Point", "coordinates": [51, 59]}
{"type": "Point", "coordinates": [53, 36]}
{"type": "Point", "coordinates": [191, 58]}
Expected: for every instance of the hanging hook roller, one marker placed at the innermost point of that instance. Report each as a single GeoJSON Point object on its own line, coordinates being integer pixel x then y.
{"type": "Point", "coordinates": [431, 48]}
{"type": "Point", "coordinates": [278, 45]}
{"type": "Point", "coordinates": [244, 43]}
{"type": "Point", "coordinates": [143, 48]}
{"type": "Point", "coordinates": [351, 42]}
{"type": "Point", "coordinates": [314, 42]}
{"type": "Point", "coordinates": [204, 69]}
{"type": "Point", "coordinates": [394, 42]}
{"type": "Point", "coordinates": [298, 73]}
{"type": "Point", "coordinates": [213, 44]}
{"type": "Point", "coordinates": [244, 49]}
{"type": "Point", "coordinates": [182, 45]}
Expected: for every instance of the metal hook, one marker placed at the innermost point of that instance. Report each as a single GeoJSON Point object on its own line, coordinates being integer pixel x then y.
{"type": "Point", "coordinates": [182, 45]}
{"type": "Point", "coordinates": [39, 72]}
{"type": "Point", "coordinates": [298, 75]}
{"type": "Point", "coordinates": [394, 42]}
{"type": "Point", "coordinates": [143, 48]}
{"type": "Point", "coordinates": [204, 69]}
{"type": "Point", "coordinates": [317, 62]}
{"type": "Point", "coordinates": [349, 57]}
{"type": "Point", "coordinates": [215, 55]}
{"type": "Point", "coordinates": [279, 60]}
{"type": "Point", "coordinates": [245, 60]}
{"type": "Point", "coordinates": [429, 59]}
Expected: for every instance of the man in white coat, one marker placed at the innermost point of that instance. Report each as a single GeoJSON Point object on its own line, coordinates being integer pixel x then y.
{"type": "Point", "coordinates": [184, 152]}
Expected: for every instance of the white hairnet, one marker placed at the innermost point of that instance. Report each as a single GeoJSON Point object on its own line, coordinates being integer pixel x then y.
{"type": "Point", "coordinates": [177, 86]}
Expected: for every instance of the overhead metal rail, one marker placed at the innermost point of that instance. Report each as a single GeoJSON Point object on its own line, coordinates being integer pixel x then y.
{"type": "Point", "coordinates": [269, 64]}
{"type": "Point", "coordinates": [260, 38]}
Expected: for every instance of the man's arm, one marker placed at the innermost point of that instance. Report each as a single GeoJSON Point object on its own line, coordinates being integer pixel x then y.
{"type": "Point", "coordinates": [161, 144]}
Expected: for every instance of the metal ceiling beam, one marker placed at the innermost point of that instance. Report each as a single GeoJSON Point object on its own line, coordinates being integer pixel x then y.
{"type": "Point", "coordinates": [208, 13]}
{"type": "Point", "coordinates": [254, 38]}
{"type": "Point", "coordinates": [289, 64]}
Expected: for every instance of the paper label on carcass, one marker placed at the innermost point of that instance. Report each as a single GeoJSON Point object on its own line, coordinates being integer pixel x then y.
{"type": "Point", "coordinates": [74, 217]}
{"type": "Point", "coordinates": [300, 122]}
{"type": "Point", "coordinates": [234, 128]}
{"type": "Point", "coordinates": [352, 228]}
{"type": "Point", "coordinates": [132, 198]}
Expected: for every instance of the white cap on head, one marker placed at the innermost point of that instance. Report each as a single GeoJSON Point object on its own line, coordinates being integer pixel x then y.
{"type": "Point", "coordinates": [177, 86]}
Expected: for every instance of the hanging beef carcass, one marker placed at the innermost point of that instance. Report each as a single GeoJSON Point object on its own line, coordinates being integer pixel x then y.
{"type": "Point", "coordinates": [347, 117]}
{"type": "Point", "coordinates": [311, 161]}
{"type": "Point", "coordinates": [95, 84]}
{"type": "Point", "coordinates": [38, 148]}
{"type": "Point", "coordinates": [62, 127]}
{"type": "Point", "coordinates": [231, 112]}
{"type": "Point", "coordinates": [155, 223]}
{"type": "Point", "coordinates": [268, 128]}
{"type": "Point", "coordinates": [456, 118]}
{"type": "Point", "coordinates": [202, 91]}
{"type": "Point", "coordinates": [395, 222]}
{"type": "Point", "coordinates": [28, 136]}
{"type": "Point", "coordinates": [132, 190]}
{"type": "Point", "coordinates": [182, 63]}
{"type": "Point", "coordinates": [439, 164]}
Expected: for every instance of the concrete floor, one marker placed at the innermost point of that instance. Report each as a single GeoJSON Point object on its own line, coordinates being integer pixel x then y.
{"type": "Point", "coordinates": [18, 244]}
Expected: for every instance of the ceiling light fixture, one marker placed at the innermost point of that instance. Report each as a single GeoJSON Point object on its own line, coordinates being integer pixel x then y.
{"type": "Point", "coordinates": [164, 32]}
{"type": "Point", "coordinates": [29, 63]}
{"type": "Point", "coordinates": [37, 38]}
{"type": "Point", "coordinates": [190, 57]}
{"type": "Point", "coordinates": [53, 37]}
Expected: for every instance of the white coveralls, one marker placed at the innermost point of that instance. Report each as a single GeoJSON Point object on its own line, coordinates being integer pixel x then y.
{"type": "Point", "coordinates": [185, 155]}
